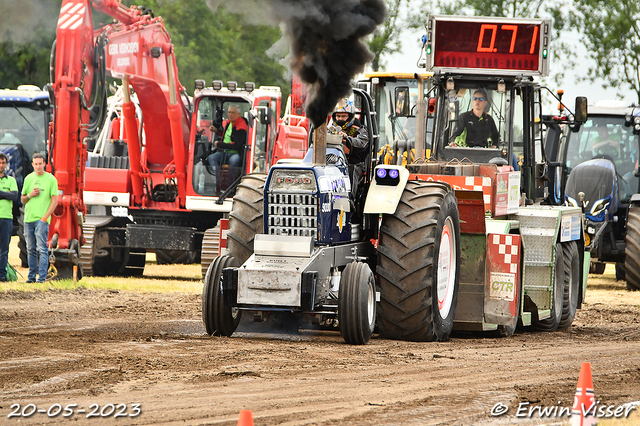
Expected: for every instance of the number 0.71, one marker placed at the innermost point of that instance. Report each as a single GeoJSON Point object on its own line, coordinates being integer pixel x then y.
{"type": "Point", "coordinates": [494, 30]}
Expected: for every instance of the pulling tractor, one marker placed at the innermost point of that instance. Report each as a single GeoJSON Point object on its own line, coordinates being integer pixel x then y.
{"type": "Point", "coordinates": [458, 240]}
{"type": "Point", "coordinates": [602, 163]}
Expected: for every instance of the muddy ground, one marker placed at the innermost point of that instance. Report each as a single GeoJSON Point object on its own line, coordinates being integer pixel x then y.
{"type": "Point", "coordinates": [104, 347]}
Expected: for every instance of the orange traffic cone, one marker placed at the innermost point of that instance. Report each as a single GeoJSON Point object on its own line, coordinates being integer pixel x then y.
{"type": "Point", "coordinates": [246, 418]}
{"type": "Point", "coordinates": [583, 412]}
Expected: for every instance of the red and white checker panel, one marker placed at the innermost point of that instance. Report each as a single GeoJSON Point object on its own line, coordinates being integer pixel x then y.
{"type": "Point", "coordinates": [502, 289]}
{"type": "Point", "coordinates": [503, 260]}
{"type": "Point", "coordinates": [508, 248]}
{"type": "Point", "coordinates": [224, 229]}
{"type": "Point", "coordinates": [470, 183]}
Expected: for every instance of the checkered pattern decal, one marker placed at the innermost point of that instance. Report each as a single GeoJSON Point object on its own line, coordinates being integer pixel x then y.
{"type": "Point", "coordinates": [508, 249]}
{"type": "Point", "coordinates": [479, 183]}
{"type": "Point", "coordinates": [470, 183]}
{"type": "Point", "coordinates": [224, 229]}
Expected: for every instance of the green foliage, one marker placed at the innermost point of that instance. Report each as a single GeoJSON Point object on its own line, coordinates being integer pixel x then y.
{"type": "Point", "coordinates": [220, 45]}
{"type": "Point", "coordinates": [26, 63]}
{"type": "Point", "coordinates": [612, 38]}
{"type": "Point", "coordinates": [386, 38]}
{"type": "Point", "coordinates": [208, 45]}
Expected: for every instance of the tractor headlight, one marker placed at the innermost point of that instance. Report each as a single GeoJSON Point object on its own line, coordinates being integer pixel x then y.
{"type": "Point", "coordinates": [599, 206]}
{"type": "Point", "coordinates": [387, 176]}
{"type": "Point", "coordinates": [571, 202]}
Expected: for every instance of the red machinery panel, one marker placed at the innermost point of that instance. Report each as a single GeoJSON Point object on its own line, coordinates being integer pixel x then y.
{"type": "Point", "coordinates": [502, 283]}
{"type": "Point", "coordinates": [107, 180]}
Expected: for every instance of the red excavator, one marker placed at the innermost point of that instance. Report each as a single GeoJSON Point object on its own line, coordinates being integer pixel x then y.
{"type": "Point", "coordinates": [153, 185]}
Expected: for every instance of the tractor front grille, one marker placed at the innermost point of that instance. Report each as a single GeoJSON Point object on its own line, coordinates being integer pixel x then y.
{"type": "Point", "coordinates": [293, 214]}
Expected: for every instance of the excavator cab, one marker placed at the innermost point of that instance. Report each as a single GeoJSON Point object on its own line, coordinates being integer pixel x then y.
{"type": "Point", "coordinates": [217, 165]}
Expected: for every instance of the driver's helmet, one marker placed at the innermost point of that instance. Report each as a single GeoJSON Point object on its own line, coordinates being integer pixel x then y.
{"type": "Point", "coordinates": [344, 105]}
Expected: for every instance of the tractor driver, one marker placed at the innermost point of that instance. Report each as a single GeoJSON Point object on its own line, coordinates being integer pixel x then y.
{"type": "Point", "coordinates": [231, 146]}
{"type": "Point", "coordinates": [355, 140]}
{"type": "Point", "coordinates": [604, 145]}
{"type": "Point", "coordinates": [476, 128]}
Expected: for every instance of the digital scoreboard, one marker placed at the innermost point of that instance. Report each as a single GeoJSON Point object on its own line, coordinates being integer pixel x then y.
{"type": "Point", "coordinates": [487, 45]}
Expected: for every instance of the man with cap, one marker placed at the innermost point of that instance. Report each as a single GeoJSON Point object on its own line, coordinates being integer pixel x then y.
{"type": "Point", "coordinates": [476, 128]}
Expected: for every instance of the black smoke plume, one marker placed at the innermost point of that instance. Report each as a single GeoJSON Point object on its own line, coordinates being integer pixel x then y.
{"type": "Point", "coordinates": [327, 46]}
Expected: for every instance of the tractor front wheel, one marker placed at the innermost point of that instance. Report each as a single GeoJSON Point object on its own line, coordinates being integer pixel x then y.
{"type": "Point", "coordinates": [357, 303]}
{"type": "Point", "coordinates": [571, 283]}
{"type": "Point", "coordinates": [219, 320]}
{"type": "Point", "coordinates": [632, 249]}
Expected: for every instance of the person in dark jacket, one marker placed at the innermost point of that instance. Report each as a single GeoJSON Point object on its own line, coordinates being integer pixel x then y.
{"type": "Point", "coordinates": [476, 128]}
{"type": "Point", "coordinates": [230, 146]}
{"type": "Point", "coordinates": [8, 196]}
{"type": "Point", "coordinates": [355, 139]}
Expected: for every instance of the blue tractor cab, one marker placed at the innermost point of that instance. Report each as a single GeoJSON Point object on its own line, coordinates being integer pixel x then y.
{"type": "Point", "coordinates": [25, 114]}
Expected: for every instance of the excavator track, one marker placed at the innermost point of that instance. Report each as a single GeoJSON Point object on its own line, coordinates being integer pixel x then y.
{"type": "Point", "coordinates": [210, 248]}
{"type": "Point", "coordinates": [86, 250]}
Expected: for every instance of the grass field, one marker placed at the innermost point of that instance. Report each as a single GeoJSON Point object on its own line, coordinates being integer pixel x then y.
{"type": "Point", "coordinates": [156, 278]}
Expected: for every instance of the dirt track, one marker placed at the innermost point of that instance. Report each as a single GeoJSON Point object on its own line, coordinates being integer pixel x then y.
{"type": "Point", "coordinates": [105, 347]}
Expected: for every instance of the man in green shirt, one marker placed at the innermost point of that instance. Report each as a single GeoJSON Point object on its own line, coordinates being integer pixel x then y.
{"type": "Point", "coordinates": [8, 195]}
{"type": "Point", "coordinates": [40, 198]}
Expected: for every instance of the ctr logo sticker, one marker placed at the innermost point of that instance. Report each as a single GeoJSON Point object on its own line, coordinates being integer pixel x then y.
{"type": "Point", "coordinates": [502, 286]}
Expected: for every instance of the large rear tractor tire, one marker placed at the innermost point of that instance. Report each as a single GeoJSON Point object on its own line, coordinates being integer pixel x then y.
{"type": "Point", "coordinates": [219, 320]}
{"type": "Point", "coordinates": [571, 284]}
{"type": "Point", "coordinates": [245, 220]}
{"type": "Point", "coordinates": [552, 323]}
{"type": "Point", "coordinates": [418, 264]}
{"type": "Point", "coordinates": [357, 303]}
{"type": "Point", "coordinates": [632, 249]}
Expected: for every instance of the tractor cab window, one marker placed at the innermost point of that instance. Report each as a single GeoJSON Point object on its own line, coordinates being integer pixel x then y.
{"type": "Point", "coordinates": [396, 106]}
{"type": "Point", "coordinates": [219, 154]}
{"type": "Point", "coordinates": [265, 134]}
{"type": "Point", "coordinates": [477, 123]}
{"type": "Point", "coordinates": [23, 126]}
{"type": "Point", "coordinates": [606, 136]}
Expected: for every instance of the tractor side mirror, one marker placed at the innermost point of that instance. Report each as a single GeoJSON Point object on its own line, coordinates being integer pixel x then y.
{"type": "Point", "coordinates": [264, 114]}
{"type": "Point", "coordinates": [580, 114]}
{"type": "Point", "coordinates": [431, 106]}
{"type": "Point", "coordinates": [357, 100]}
{"type": "Point", "coordinates": [402, 102]}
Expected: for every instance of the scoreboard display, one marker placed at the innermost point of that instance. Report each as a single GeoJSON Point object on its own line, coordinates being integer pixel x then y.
{"type": "Point", "coordinates": [487, 45]}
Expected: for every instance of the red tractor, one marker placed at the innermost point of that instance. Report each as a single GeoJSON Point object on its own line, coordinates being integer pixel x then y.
{"type": "Point", "coordinates": [152, 187]}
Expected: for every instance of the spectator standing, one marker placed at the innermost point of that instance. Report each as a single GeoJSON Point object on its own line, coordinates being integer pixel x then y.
{"type": "Point", "coordinates": [8, 195]}
{"type": "Point", "coordinates": [40, 198]}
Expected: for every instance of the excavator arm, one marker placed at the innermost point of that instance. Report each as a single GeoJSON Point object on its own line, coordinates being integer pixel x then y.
{"type": "Point", "coordinates": [136, 48]}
